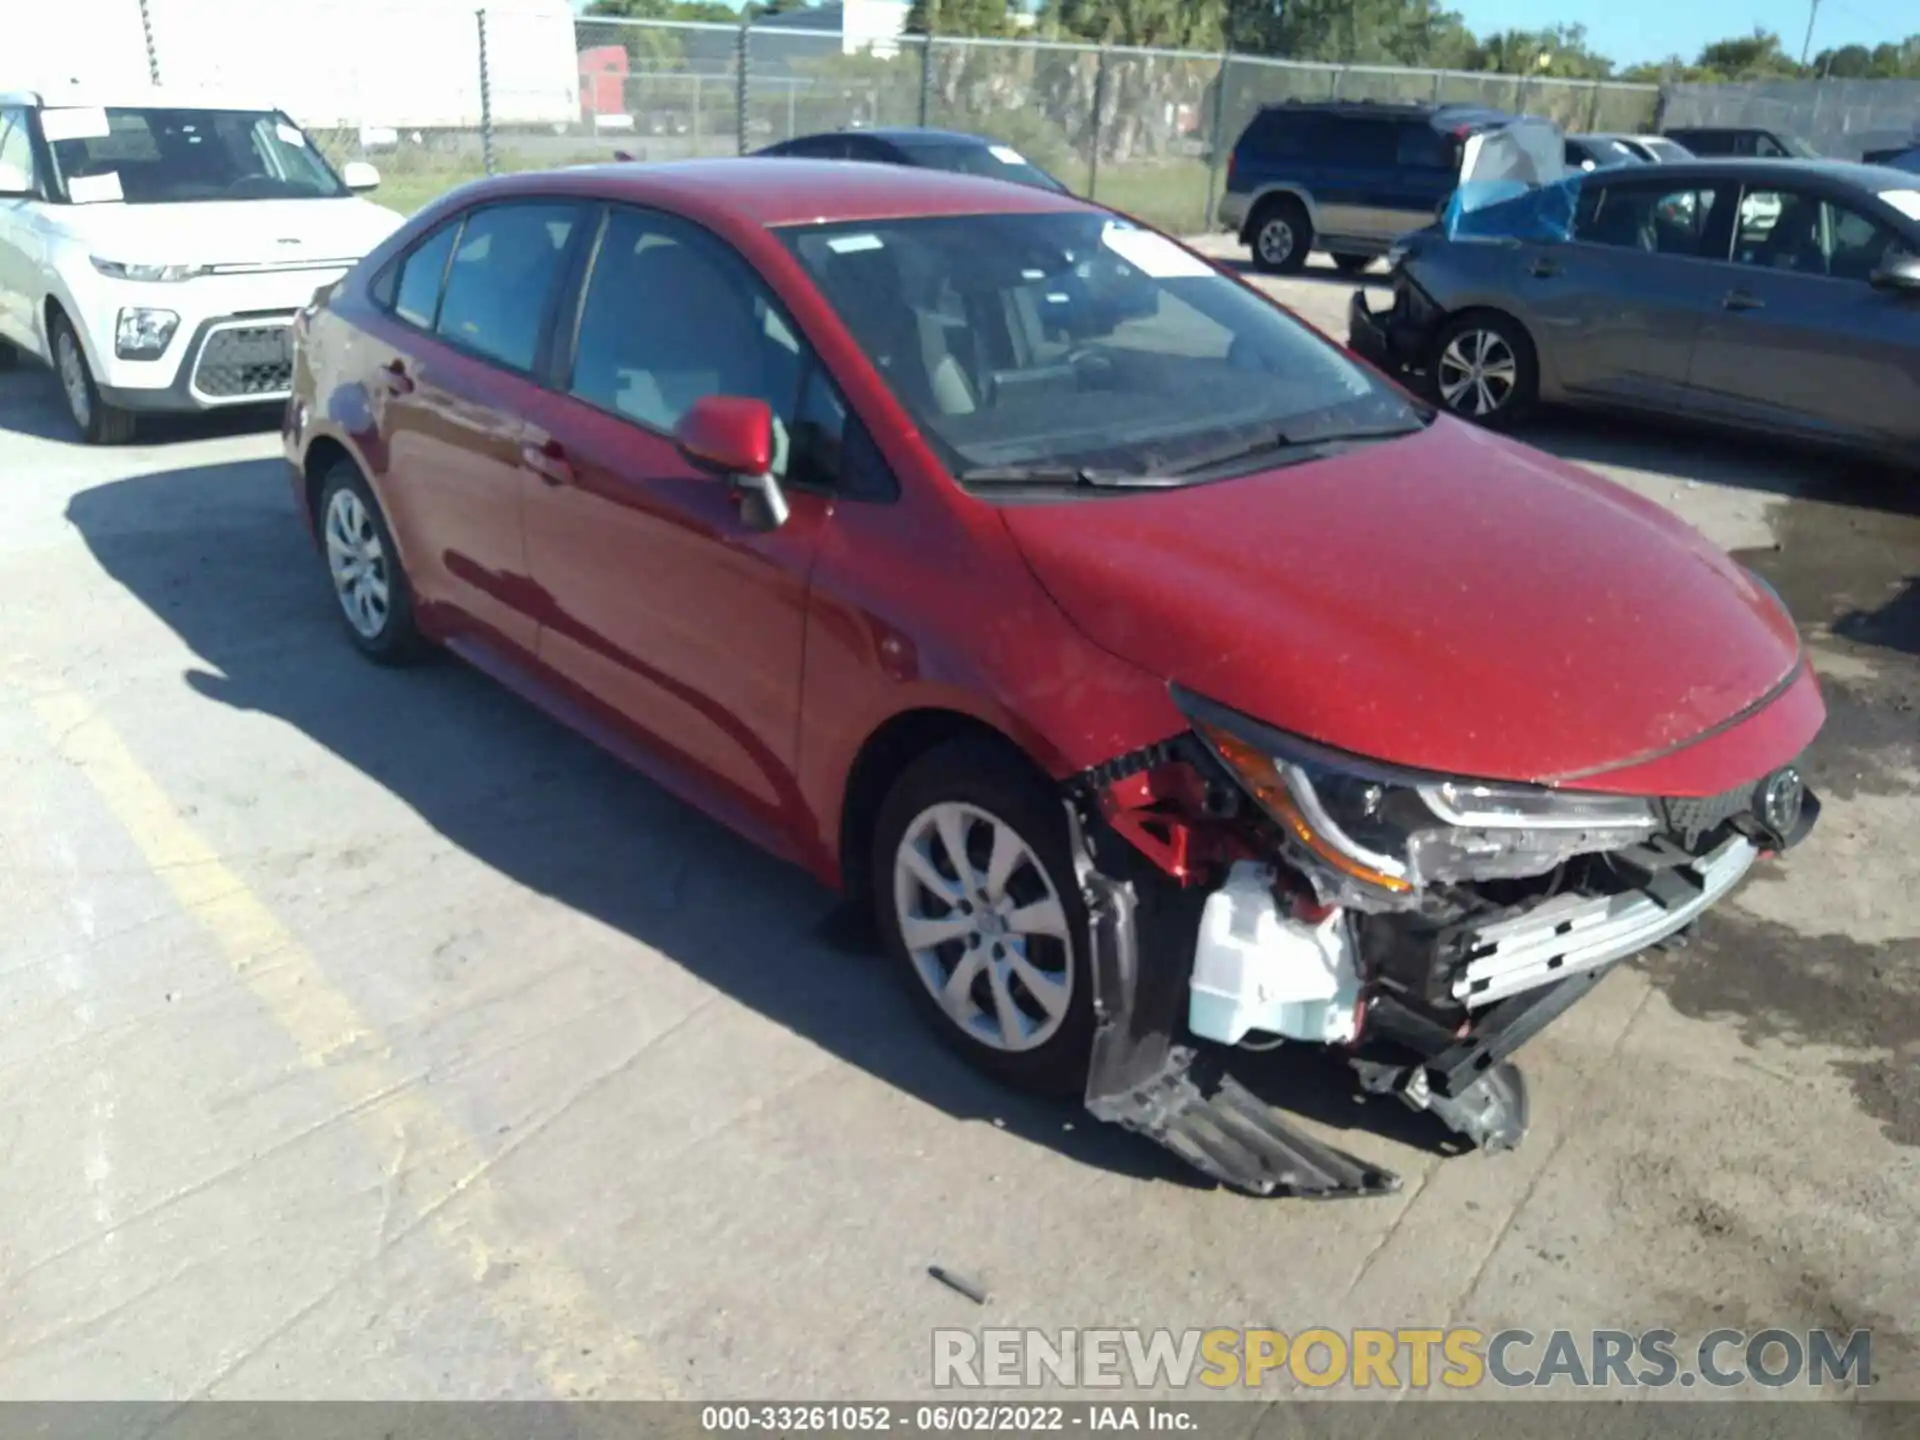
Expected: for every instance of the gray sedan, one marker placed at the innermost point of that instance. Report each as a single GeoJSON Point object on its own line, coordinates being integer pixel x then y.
{"type": "Point", "coordinates": [1781, 296]}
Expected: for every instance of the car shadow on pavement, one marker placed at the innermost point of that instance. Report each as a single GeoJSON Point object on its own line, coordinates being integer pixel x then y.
{"type": "Point", "coordinates": [218, 553]}
{"type": "Point", "coordinates": [1319, 268]}
{"type": "Point", "coordinates": [1697, 455]}
{"type": "Point", "coordinates": [31, 404]}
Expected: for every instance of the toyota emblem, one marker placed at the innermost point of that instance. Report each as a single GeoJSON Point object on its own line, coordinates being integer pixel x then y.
{"type": "Point", "coordinates": [1780, 800]}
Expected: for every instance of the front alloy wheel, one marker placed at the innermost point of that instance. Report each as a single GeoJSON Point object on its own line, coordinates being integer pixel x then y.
{"type": "Point", "coordinates": [1477, 373]}
{"type": "Point", "coordinates": [1484, 370]}
{"type": "Point", "coordinates": [973, 886]}
{"type": "Point", "coordinates": [984, 926]}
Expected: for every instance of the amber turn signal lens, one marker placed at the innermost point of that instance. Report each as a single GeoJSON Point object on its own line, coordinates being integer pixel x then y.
{"type": "Point", "coordinates": [1257, 771]}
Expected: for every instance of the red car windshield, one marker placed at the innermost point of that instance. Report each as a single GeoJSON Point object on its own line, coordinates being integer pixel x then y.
{"type": "Point", "coordinates": [1077, 340]}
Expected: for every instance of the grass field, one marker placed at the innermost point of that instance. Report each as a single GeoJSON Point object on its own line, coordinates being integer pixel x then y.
{"type": "Point", "coordinates": [1171, 194]}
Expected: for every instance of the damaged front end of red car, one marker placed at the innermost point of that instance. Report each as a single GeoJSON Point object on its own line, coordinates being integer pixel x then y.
{"type": "Point", "coordinates": [1247, 889]}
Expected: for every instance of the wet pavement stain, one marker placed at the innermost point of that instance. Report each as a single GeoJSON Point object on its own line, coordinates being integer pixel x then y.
{"type": "Point", "coordinates": [1850, 575]}
{"type": "Point", "coordinates": [1848, 568]}
{"type": "Point", "coordinates": [1851, 579]}
{"type": "Point", "coordinates": [1829, 990]}
{"type": "Point", "coordinates": [1870, 743]}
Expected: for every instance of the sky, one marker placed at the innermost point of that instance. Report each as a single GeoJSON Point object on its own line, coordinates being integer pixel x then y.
{"type": "Point", "coordinates": [1634, 30]}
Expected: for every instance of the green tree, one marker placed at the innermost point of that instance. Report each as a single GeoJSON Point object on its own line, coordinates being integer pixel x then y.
{"type": "Point", "coordinates": [958, 17]}
{"type": "Point", "coordinates": [1893, 60]}
{"type": "Point", "coordinates": [1173, 24]}
{"type": "Point", "coordinates": [1559, 50]}
{"type": "Point", "coordinates": [1758, 56]}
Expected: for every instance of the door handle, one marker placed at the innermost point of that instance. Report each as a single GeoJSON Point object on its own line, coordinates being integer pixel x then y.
{"type": "Point", "coordinates": [1742, 300]}
{"type": "Point", "coordinates": [398, 381]}
{"type": "Point", "coordinates": [1546, 269]}
{"type": "Point", "coordinates": [549, 461]}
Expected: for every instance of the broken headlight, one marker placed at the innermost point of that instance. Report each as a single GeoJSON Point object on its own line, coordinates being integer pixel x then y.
{"type": "Point", "coordinates": [1396, 830]}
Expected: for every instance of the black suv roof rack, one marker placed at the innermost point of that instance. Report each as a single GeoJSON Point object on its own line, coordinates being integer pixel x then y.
{"type": "Point", "coordinates": [1401, 107]}
{"type": "Point", "coordinates": [1410, 109]}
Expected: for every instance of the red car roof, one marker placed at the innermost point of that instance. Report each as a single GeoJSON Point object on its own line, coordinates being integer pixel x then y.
{"type": "Point", "coordinates": [778, 191]}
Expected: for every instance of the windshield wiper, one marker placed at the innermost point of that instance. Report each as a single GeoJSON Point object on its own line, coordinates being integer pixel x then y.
{"type": "Point", "coordinates": [1279, 442]}
{"type": "Point", "coordinates": [1061, 475]}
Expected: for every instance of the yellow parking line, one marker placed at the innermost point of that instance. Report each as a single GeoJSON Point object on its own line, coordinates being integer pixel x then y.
{"type": "Point", "coordinates": [547, 1307]}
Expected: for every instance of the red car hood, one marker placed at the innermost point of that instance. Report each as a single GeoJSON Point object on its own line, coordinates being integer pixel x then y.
{"type": "Point", "coordinates": [1450, 601]}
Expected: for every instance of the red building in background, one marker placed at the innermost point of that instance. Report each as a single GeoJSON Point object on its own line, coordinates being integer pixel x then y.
{"type": "Point", "coordinates": [603, 81]}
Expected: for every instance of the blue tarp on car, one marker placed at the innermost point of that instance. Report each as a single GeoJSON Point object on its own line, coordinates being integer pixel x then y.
{"type": "Point", "coordinates": [1514, 185]}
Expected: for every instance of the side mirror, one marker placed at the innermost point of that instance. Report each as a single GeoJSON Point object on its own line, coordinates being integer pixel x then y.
{"type": "Point", "coordinates": [732, 436]}
{"type": "Point", "coordinates": [15, 183]}
{"type": "Point", "coordinates": [1900, 273]}
{"type": "Point", "coordinates": [358, 175]}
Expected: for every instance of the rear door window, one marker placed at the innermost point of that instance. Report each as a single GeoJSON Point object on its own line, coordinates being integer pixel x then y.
{"type": "Point", "coordinates": [503, 278]}
{"type": "Point", "coordinates": [1807, 235]}
{"type": "Point", "coordinates": [1362, 142]}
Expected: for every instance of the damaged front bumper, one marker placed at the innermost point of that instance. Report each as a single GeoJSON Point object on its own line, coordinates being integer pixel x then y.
{"type": "Point", "coordinates": [1446, 994]}
{"type": "Point", "coordinates": [1399, 339]}
{"type": "Point", "coordinates": [1571, 933]}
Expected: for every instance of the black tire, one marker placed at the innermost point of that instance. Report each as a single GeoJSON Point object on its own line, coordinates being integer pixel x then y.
{"type": "Point", "coordinates": [1455, 349]}
{"type": "Point", "coordinates": [1351, 264]}
{"type": "Point", "coordinates": [1281, 215]}
{"type": "Point", "coordinates": [101, 423]}
{"type": "Point", "coordinates": [991, 779]}
{"type": "Point", "coordinates": [397, 639]}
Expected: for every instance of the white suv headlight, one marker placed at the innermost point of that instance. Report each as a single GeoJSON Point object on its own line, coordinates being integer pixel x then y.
{"type": "Point", "coordinates": [124, 270]}
{"type": "Point", "coordinates": [143, 334]}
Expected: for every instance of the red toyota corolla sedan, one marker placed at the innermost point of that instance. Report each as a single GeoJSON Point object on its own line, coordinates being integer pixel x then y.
{"type": "Point", "coordinates": [1166, 681]}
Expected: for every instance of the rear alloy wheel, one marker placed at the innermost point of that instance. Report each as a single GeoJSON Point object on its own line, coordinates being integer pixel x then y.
{"type": "Point", "coordinates": [1281, 236]}
{"type": "Point", "coordinates": [375, 599]}
{"type": "Point", "coordinates": [98, 422]}
{"type": "Point", "coordinates": [1484, 370]}
{"type": "Point", "coordinates": [974, 894]}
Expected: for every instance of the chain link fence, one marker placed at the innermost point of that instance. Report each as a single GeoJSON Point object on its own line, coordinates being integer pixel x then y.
{"type": "Point", "coordinates": [454, 90]}
{"type": "Point", "coordinates": [1840, 118]}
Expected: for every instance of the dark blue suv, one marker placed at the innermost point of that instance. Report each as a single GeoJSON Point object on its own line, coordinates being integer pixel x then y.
{"type": "Point", "coordinates": [1348, 178]}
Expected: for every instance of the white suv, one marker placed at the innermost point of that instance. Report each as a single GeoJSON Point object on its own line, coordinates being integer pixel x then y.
{"type": "Point", "coordinates": [155, 246]}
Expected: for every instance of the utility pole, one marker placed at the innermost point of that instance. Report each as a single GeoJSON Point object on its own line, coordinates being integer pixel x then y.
{"type": "Point", "coordinates": [1813, 11]}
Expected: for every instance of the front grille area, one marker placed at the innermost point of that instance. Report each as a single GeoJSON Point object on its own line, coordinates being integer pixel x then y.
{"type": "Point", "coordinates": [1696, 817]}
{"type": "Point", "coordinates": [241, 362]}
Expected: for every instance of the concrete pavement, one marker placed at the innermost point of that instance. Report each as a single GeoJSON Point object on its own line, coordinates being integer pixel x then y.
{"type": "Point", "coordinates": [370, 1036]}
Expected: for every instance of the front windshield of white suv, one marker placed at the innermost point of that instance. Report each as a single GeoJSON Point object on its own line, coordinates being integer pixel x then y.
{"type": "Point", "coordinates": [154, 156]}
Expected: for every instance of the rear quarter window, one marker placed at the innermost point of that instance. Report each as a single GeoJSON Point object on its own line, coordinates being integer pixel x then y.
{"type": "Point", "coordinates": [1276, 134]}
{"type": "Point", "coordinates": [411, 287]}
